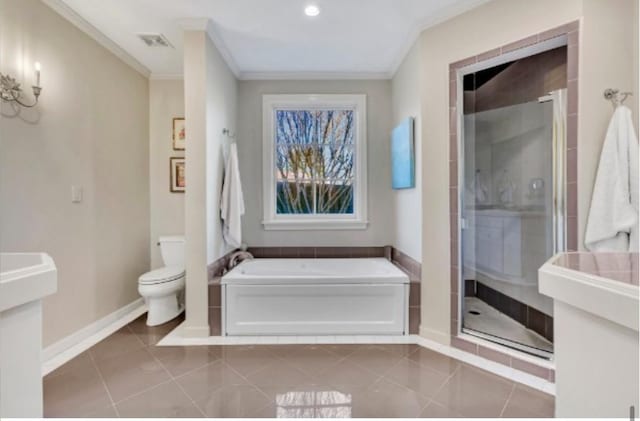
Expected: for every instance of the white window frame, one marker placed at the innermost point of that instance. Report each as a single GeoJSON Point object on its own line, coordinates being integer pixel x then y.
{"type": "Point", "coordinates": [274, 221]}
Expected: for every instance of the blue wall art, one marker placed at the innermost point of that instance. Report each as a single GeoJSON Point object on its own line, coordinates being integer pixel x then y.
{"type": "Point", "coordinates": [403, 156]}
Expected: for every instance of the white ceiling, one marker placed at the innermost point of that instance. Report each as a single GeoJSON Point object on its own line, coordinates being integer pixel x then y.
{"type": "Point", "coordinates": [269, 38]}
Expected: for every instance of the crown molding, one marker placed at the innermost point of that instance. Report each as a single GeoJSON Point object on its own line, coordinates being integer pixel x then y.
{"type": "Point", "coordinates": [166, 76]}
{"type": "Point", "coordinates": [444, 15]}
{"type": "Point", "coordinates": [194, 24]}
{"type": "Point", "coordinates": [206, 25]}
{"type": "Point", "coordinates": [290, 76]}
{"type": "Point", "coordinates": [72, 16]}
{"type": "Point", "coordinates": [315, 76]}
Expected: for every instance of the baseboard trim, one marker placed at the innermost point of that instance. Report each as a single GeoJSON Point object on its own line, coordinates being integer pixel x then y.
{"type": "Point", "coordinates": [502, 370]}
{"type": "Point", "coordinates": [434, 335]}
{"type": "Point", "coordinates": [73, 345]}
{"type": "Point", "coordinates": [196, 331]}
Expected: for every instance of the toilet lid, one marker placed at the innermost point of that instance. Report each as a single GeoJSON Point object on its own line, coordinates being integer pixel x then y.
{"type": "Point", "coordinates": [164, 274]}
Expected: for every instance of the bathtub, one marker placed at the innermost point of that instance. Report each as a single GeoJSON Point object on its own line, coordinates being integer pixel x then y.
{"type": "Point", "coordinates": [368, 296]}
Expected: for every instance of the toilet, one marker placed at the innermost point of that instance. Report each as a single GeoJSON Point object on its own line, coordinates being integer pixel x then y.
{"type": "Point", "coordinates": [162, 288]}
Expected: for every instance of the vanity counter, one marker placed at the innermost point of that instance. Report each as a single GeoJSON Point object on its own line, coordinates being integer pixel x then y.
{"type": "Point", "coordinates": [25, 279]}
{"type": "Point", "coordinates": [595, 302]}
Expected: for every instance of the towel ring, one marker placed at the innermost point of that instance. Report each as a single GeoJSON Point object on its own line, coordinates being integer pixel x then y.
{"type": "Point", "coordinates": [615, 96]}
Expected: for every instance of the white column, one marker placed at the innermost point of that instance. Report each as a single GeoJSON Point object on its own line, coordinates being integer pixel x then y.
{"type": "Point", "coordinates": [195, 80]}
{"type": "Point", "coordinates": [210, 87]}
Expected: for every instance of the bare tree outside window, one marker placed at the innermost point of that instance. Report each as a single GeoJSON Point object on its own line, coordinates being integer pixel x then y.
{"type": "Point", "coordinates": [314, 161]}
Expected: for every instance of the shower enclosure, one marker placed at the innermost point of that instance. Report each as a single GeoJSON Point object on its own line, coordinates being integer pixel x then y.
{"type": "Point", "coordinates": [512, 199]}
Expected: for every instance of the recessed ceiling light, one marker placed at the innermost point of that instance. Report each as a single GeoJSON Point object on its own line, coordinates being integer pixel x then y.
{"type": "Point", "coordinates": [312, 10]}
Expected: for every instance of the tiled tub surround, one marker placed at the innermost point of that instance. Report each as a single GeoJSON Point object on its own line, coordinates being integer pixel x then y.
{"type": "Point", "coordinates": [126, 375]}
{"type": "Point", "coordinates": [461, 341]}
{"type": "Point", "coordinates": [404, 262]}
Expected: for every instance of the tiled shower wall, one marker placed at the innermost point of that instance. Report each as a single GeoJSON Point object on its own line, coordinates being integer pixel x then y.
{"type": "Point", "coordinates": [571, 30]}
{"type": "Point", "coordinates": [412, 268]}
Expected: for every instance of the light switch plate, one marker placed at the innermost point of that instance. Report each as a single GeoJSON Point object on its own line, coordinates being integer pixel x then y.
{"type": "Point", "coordinates": [76, 194]}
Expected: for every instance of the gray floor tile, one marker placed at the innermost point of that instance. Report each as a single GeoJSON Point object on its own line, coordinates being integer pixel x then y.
{"type": "Point", "coordinates": [277, 381]}
{"type": "Point", "coordinates": [387, 400]}
{"type": "Point", "coordinates": [308, 401]}
{"type": "Point", "coordinates": [130, 374]}
{"type": "Point", "coordinates": [415, 377]}
{"type": "Point", "coordinates": [120, 342]}
{"type": "Point", "coordinates": [233, 401]}
{"type": "Point", "coordinates": [435, 410]}
{"type": "Point", "coordinates": [312, 359]}
{"type": "Point", "coordinates": [247, 359]}
{"type": "Point", "coordinates": [182, 359]}
{"type": "Point", "coordinates": [375, 359]}
{"type": "Point", "coordinates": [278, 374]}
{"type": "Point", "coordinates": [81, 361]}
{"type": "Point", "coordinates": [348, 374]}
{"type": "Point", "coordinates": [475, 393]}
{"type": "Point", "coordinates": [164, 401]}
{"type": "Point", "coordinates": [200, 383]}
{"type": "Point", "coordinates": [434, 360]}
{"type": "Point", "coordinates": [73, 392]}
{"type": "Point", "coordinates": [526, 402]}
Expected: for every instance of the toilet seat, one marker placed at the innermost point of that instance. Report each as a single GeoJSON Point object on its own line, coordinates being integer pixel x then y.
{"type": "Point", "coordinates": [162, 275]}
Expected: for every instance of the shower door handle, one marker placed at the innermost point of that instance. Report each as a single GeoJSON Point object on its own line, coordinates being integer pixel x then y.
{"type": "Point", "coordinates": [559, 173]}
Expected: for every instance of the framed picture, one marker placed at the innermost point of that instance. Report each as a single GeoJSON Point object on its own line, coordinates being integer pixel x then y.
{"type": "Point", "coordinates": [178, 134]}
{"type": "Point", "coordinates": [403, 156]}
{"type": "Point", "coordinates": [176, 171]}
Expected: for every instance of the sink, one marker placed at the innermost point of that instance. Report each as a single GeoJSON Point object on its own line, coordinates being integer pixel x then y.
{"type": "Point", "coordinates": [25, 277]}
{"type": "Point", "coordinates": [595, 320]}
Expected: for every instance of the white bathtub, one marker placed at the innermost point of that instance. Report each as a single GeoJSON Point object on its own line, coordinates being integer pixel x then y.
{"type": "Point", "coordinates": [315, 297]}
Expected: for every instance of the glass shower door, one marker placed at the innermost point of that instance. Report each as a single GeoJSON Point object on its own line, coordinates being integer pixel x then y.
{"type": "Point", "coordinates": [509, 196]}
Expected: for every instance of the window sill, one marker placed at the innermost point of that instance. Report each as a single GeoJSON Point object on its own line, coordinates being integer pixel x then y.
{"type": "Point", "coordinates": [314, 225]}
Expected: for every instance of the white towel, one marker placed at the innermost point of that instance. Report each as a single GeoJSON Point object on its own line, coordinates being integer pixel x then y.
{"type": "Point", "coordinates": [613, 216]}
{"type": "Point", "coordinates": [232, 202]}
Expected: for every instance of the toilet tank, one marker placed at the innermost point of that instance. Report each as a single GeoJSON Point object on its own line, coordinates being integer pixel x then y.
{"type": "Point", "coordinates": [172, 250]}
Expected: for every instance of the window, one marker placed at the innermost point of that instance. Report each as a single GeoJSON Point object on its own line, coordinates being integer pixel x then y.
{"type": "Point", "coordinates": [314, 161]}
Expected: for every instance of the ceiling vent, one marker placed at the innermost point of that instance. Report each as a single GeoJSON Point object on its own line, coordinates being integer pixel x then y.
{"type": "Point", "coordinates": [155, 40]}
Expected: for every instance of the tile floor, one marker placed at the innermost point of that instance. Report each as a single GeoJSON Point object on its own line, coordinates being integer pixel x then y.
{"type": "Point", "coordinates": [126, 375]}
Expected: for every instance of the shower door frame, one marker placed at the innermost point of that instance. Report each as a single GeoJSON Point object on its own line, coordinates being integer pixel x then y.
{"type": "Point", "coordinates": [565, 35]}
{"type": "Point", "coordinates": [557, 236]}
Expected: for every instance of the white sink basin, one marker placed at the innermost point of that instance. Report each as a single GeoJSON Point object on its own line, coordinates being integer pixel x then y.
{"type": "Point", "coordinates": [25, 277]}
{"type": "Point", "coordinates": [595, 322]}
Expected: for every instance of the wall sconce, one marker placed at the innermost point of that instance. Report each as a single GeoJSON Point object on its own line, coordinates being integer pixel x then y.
{"type": "Point", "coordinates": [10, 90]}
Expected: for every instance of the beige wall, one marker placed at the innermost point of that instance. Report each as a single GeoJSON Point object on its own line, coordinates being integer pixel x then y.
{"type": "Point", "coordinates": [605, 60]}
{"type": "Point", "coordinates": [407, 203]}
{"type": "Point", "coordinates": [249, 140]}
{"type": "Point", "coordinates": [91, 130]}
{"type": "Point", "coordinates": [210, 105]}
{"type": "Point", "coordinates": [222, 100]}
{"type": "Point", "coordinates": [636, 67]}
{"type": "Point", "coordinates": [608, 59]}
{"type": "Point", "coordinates": [166, 101]}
